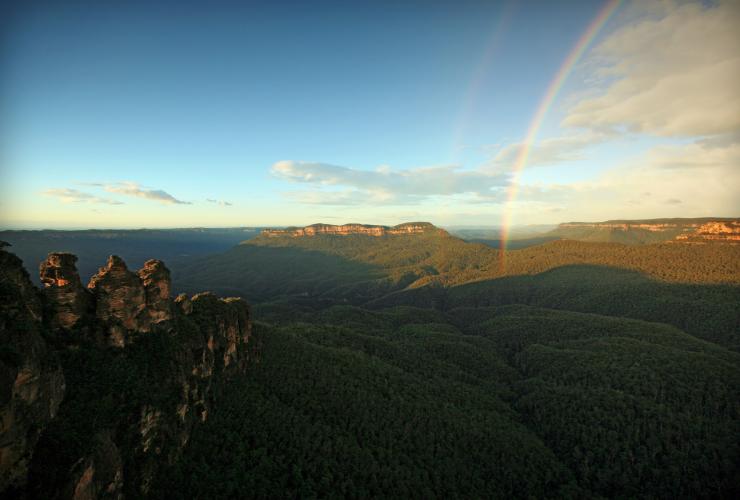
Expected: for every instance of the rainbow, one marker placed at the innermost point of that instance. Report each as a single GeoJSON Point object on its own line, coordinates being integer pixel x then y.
{"type": "Point", "coordinates": [552, 91]}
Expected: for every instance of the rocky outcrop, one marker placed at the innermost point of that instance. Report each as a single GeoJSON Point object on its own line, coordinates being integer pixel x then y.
{"type": "Point", "coordinates": [347, 229]}
{"type": "Point", "coordinates": [227, 327]}
{"type": "Point", "coordinates": [194, 344]}
{"type": "Point", "coordinates": [98, 475]}
{"type": "Point", "coordinates": [120, 301]}
{"type": "Point", "coordinates": [69, 302]}
{"type": "Point", "coordinates": [719, 231]}
{"type": "Point", "coordinates": [156, 280]}
{"type": "Point", "coordinates": [627, 226]}
{"type": "Point", "coordinates": [704, 230]}
{"type": "Point", "coordinates": [31, 378]}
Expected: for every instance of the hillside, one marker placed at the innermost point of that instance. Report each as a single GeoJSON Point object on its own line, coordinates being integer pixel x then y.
{"type": "Point", "coordinates": [103, 385]}
{"type": "Point", "coordinates": [498, 402]}
{"type": "Point", "coordinates": [638, 232]}
{"type": "Point", "coordinates": [358, 267]}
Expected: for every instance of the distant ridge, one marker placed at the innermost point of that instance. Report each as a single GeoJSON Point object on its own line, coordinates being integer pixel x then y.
{"type": "Point", "coordinates": [353, 228]}
{"type": "Point", "coordinates": [697, 230]}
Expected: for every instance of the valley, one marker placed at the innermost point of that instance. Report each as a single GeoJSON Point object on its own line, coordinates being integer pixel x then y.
{"type": "Point", "coordinates": [395, 361]}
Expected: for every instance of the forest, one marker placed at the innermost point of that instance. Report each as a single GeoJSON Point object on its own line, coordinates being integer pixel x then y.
{"type": "Point", "coordinates": [424, 366]}
{"type": "Point", "coordinates": [509, 401]}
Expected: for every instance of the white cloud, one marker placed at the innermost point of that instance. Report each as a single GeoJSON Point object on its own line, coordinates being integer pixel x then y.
{"type": "Point", "coordinates": [135, 190]}
{"type": "Point", "coordinates": [672, 72]}
{"type": "Point", "coordinates": [384, 184]}
{"type": "Point", "coordinates": [548, 151]}
{"type": "Point", "coordinates": [66, 195]}
{"type": "Point", "coordinates": [700, 181]}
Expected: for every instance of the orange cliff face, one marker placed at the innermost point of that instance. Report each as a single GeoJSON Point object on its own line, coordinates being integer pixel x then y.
{"type": "Point", "coordinates": [724, 231]}
{"type": "Point", "coordinates": [626, 226]}
{"type": "Point", "coordinates": [347, 229]}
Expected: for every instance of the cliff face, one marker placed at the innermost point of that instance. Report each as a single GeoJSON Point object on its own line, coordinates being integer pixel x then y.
{"type": "Point", "coordinates": [347, 229]}
{"type": "Point", "coordinates": [724, 231]}
{"type": "Point", "coordinates": [173, 354]}
{"type": "Point", "coordinates": [676, 230]}
{"type": "Point", "coordinates": [69, 302]}
{"type": "Point", "coordinates": [31, 378]}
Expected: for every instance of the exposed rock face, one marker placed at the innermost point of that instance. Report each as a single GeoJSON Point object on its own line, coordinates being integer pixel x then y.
{"type": "Point", "coordinates": [227, 326]}
{"type": "Point", "coordinates": [347, 229]}
{"type": "Point", "coordinates": [721, 231]}
{"type": "Point", "coordinates": [69, 301]}
{"type": "Point", "coordinates": [680, 230]}
{"type": "Point", "coordinates": [626, 226]}
{"type": "Point", "coordinates": [120, 301]}
{"type": "Point", "coordinates": [201, 341]}
{"type": "Point", "coordinates": [156, 280]}
{"type": "Point", "coordinates": [129, 303]}
{"type": "Point", "coordinates": [99, 475]}
{"type": "Point", "coordinates": [31, 378]}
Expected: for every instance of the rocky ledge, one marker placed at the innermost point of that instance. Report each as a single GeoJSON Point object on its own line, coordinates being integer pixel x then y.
{"type": "Point", "coordinates": [174, 353]}
{"type": "Point", "coordinates": [347, 229]}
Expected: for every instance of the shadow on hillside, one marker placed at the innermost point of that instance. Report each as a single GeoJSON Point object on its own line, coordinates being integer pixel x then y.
{"type": "Point", "coordinates": [709, 312]}
{"type": "Point", "coordinates": [262, 274]}
{"type": "Point", "coordinates": [515, 244]}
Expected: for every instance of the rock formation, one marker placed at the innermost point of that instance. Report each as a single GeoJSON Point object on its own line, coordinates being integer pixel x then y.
{"type": "Point", "coordinates": [188, 346]}
{"type": "Point", "coordinates": [31, 378]}
{"type": "Point", "coordinates": [69, 301]}
{"type": "Point", "coordinates": [702, 230]}
{"type": "Point", "coordinates": [156, 280]}
{"type": "Point", "coordinates": [347, 229]}
{"type": "Point", "coordinates": [120, 301]}
{"type": "Point", "coordinates": [718, 231]}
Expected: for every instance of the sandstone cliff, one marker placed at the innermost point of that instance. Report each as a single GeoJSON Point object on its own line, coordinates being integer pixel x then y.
{"type": "Point", "coordinates": [703, 230]}
{"type": "Point", "coordinates": [141, 371]}
{"type": "Point", "coordinates": [31, 378]}
{"type": "Point", "coordinates": [347, 229]}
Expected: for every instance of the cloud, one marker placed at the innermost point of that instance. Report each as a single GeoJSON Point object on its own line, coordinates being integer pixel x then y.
{"type": "Point", "coordinates": [703, 181]}
{"type": "Point", "coordinates": [384, 184]}
{"type": "Point", "coordinates": [66, 195]}
{"type": "Point", "coordinates": [674, 71]}
{"type": "Point", "coordinates": [548, 151]}
{"type": "Point", "coordinates": [219, 202]}
{"type": "Point", "coordinates": [134, 189]}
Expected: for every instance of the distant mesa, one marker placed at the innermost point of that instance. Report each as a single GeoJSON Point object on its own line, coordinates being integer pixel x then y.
{"type": "Point", "coordinates": [347, 229]}
{"type": "Point", "coordinates": [704, 230]}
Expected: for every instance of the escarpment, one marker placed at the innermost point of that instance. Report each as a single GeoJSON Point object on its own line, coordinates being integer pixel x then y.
{"type": "Point", "coordinates": [31, 378]}
{"type": "Point", "coordinates": [704, 230]}
{"type": "Point", "coordinates": [347, 229]}
{"type": "Point", "coordinates": [102, 386]}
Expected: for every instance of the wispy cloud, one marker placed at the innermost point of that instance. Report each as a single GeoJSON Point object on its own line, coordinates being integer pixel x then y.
{"type": "Point", "coordinates": [219, 202]}
{"type": "Point", "coordinates": [66, 195]}
{"type": "Point", "coordinates": [135, 190]}
{"type": "Point", "coordinates": [384, 184]}
{"type": "Point", "coordinates": [549, 151]}
{"type": "Point", "coordinates": [673, 71]}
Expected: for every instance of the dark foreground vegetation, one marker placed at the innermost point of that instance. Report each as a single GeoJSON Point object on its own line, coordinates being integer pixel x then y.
{"type": "Point", "coordinates": [500, 402]}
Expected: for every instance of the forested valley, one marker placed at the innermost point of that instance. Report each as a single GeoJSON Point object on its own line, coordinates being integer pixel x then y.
{"type": "Point", "coordinates": [423, 367]}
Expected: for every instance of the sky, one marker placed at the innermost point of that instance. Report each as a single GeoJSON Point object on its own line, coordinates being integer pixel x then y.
{"type": "Point", "coordinates": [480, 113]}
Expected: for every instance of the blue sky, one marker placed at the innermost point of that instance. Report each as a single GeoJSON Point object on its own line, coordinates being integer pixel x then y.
{"type": "Point", "coordinates": [136, 114]}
